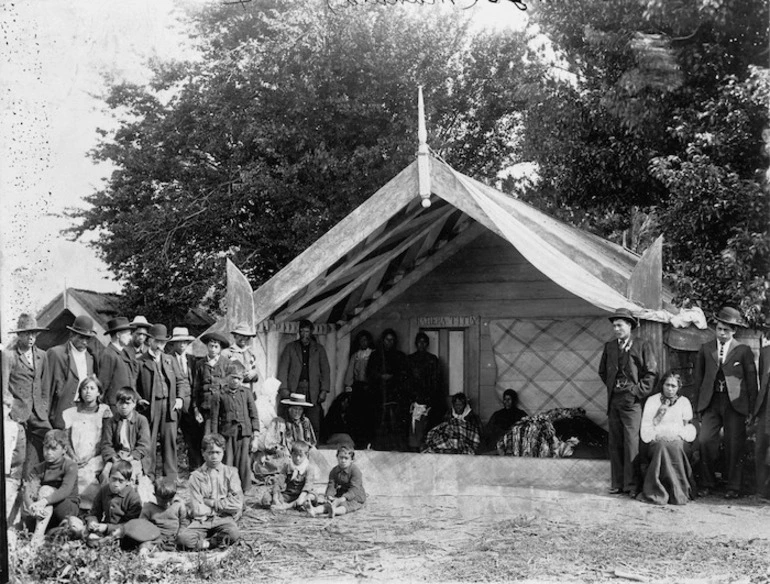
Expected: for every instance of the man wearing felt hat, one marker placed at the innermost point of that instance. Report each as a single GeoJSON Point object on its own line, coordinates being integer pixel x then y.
{"type": "Point", "coordinates": [628, 369]}
{"type": "Point", "coordinates": [115, 366]}
{"type": "Point", "coordinates": [22, 380]}
{"type": "Point", "coordinates": [66, 366]}
{"type": "Point", "coordinates": [725, 380]}
{"type": "Point", "coordinates": [164, 393]}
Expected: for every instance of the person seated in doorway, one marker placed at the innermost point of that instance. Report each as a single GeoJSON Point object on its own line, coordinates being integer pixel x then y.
{"type": "Point", "coordinates": [340, 418]}
{"type": "Point", "coordinates": [503, 419]}
{"type": "Point", "coordinates": [667, 427]}
{"type": "Point", "coordinates": [460, 433]}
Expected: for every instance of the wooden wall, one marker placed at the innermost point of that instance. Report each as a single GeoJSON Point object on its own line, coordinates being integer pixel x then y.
{"type": "Point", "coordinates": [488, 279]}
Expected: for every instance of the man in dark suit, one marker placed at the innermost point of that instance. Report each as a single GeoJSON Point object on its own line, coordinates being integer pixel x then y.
{"type": "Point", "coordinates": [628, 369]}
{"type": "Point", "coordinates": [762, 416]}
{"type": "Point", "coordinates": [191, 429]}
{"type": "Point", "coordinates": [164, 393]}
{"type": "Point", "coordinates": [66, 366]}
{"type": "Point", "coordinates": [22, 379]}
{"type": "Point", "coordinates": [115, 367]}
{"type": "Point", "coordinates": [304, 368]}
{"type": "Point", "coordinates": [725, 380]}
{"type": "Point", "coordinates": [138, 345]}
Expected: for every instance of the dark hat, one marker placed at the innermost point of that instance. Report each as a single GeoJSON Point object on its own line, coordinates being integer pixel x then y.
{"type": "Point", "coordinates": [243, 329]}
{"type": "Point", "coordinates": [158, 332]}
{"type": "Point", "coordinates": [625, 314]}
{"type": "Point", "coordinates": [731, 316]}
{"type": "Point", "coordinates": [117, 324]}
{"type": "Point", "coordinates": [215, 336]}
{"type": "Point", "coordinates": [83, 325]}
{"type": "Point", "coordinates": [141, 530]}
{"type": "Point", "coordinates": [140, 322]}
{"type": "Point", "coordinates": [28, 324]}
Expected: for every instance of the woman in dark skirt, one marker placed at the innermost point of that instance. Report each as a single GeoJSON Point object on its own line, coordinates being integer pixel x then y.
{"type": "Point", "coordinates": [666, 427]}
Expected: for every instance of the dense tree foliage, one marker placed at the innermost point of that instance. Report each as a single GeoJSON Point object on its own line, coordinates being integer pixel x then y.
{"type": "Point", "coordinates": [658, 125]}
{"type": "Point", "coordinates": [291, 115]}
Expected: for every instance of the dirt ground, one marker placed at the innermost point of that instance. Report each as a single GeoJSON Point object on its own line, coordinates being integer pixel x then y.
{"type": "Point", "coordinates": [512, 534]}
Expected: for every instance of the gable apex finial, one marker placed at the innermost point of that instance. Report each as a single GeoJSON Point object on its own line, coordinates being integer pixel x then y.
{"type": "Point", "coordinates": [423, 162]}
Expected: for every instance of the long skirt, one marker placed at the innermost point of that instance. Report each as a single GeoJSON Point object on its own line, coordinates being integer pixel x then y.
{"type": "Point", "coordinates": [669, 477]}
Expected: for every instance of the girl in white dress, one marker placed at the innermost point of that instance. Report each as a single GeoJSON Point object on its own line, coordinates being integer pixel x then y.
{"type": "Point", "coordinates": [84, 421]}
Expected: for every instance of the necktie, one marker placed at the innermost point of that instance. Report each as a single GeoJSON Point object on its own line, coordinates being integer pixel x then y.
{"type": "Point", "coordinates": [183, 364]}
{"type": "Point", "coordinates": [721, 353]}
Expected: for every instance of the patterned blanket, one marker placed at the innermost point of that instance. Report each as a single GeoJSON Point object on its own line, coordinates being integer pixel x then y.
{"type": "Point", "coordinates": [535, 435]}
{"type": "Point", "coordinates": [454, 437]}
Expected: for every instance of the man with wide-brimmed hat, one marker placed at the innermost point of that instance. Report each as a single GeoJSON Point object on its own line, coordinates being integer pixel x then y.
{"type": "Point", "coordinates": [138, 345]}
{"type": "Point", "coordinates": [628, 368]}
{"type": "Point", "coordinates": [22, 380]}
{"type": "Point", "coordinates": [304, 369]}
{"type": "Point", "coordinates": [164, 394]}
{"type": "Point", "coordinates": [241, 351]}
{"type": "Point", "coordinates": [191, 429]}
{"type": "Point", "coordinates": [725, 378]}
{"type": "Point", "coordinates": [66, 366]}
{"type": "Point", "coordinates": [115, 365]}
{"type": "Point", "coordinates": [210, 374]}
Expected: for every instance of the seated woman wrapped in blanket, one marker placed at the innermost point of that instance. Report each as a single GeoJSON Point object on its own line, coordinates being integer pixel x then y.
{"type": "Point", "coordinates": [459, 433]}
{"type": "Point", "coordinates": [537, 435]}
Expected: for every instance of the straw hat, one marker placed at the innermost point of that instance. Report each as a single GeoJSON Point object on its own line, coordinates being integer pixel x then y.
{"type": "Point", "coordinates": [296, 399]}
{"type": "Point", "coordinates": [83, 325]}
{"type": "Point", "coordinates": [243, 329]}
{"type": "Point", "coordinates": [28, 324]}
{"type": "Point", "coordinates": [140, 322]}
{"type": "Point", "coordinates": [180, 333]}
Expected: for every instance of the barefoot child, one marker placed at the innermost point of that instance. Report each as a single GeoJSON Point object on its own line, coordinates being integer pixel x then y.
{"type": "Point", "coordinates": [298, 477]}
{"type": "Point", "coordinates": [116, 504]}
{"type": "Point", "coordinates": [345, 491]}
{"type": "Point", "coordinates": [216, 500]}
{"type": "Point", "coordinates": [51, 487]}
{"type": "Point", "coordinates": [234, 416]}
{"type": "Point", "coordinates": [169, 514]}
{"type": "Point", "coordinates": [84, 423]}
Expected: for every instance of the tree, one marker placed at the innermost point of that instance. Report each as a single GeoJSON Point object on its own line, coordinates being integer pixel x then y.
{"type": "Point", "coordinates": [292, 116]}
{"type": "Point", "coordinates": [660, 116]}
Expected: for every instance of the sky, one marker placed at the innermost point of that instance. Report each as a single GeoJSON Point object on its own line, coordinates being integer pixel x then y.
{"type": "Point", "coordinates": [55, 55]}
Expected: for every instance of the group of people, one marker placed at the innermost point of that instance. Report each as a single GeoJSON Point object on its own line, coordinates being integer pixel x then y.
{"type": "Point", "coordinates": [83, 423]}
{"type": "Point", "coordinates": [729, 396]}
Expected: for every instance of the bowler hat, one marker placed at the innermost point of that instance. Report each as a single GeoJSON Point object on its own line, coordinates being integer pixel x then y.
{"type": "Point", "coordinates": [625, 314]}
{"type": "Point", "coordinates": [141, 530]}
{"type": "Point", "coordinates": [83, 325]}
{"type": "Point", "coordinates": [28, 324]}
{"type": "Point", "coordinates": [180, 333]}
{"type": "Point", "coordinates": [215, 336]}
{"type": "Point", "coordinates": [140, 322]}
{"type": "Point", "coordinates": [243, 329]}
{"type": "Point", "coordinates": [158, 332]}
{"type": "Point", "coordinates": [115, 325]}
{"type": "Point", "coordinates": [731, 316]}
{"type": "Point", "coordinates": [297, 399]}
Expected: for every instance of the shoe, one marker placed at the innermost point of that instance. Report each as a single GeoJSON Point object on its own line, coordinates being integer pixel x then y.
{"type": "Point", "coordinates": [731, 494]}
{"type": "Point", "coordinates": [632, 494]}
{"type": "Point", "coordinates": [704, 492]}
{"type": "Point", "coordinates": [615, 491]}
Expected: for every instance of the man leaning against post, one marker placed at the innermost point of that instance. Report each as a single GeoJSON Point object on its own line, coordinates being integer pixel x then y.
{"type": "Point", "coordinates": [628, 369]}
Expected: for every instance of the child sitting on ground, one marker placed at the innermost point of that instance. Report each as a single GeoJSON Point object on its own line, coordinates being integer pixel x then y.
{"type": "Point", "coordinates": [216, 500]}
{"type": "Point", "coordinates": [345, 491]}
{"type": "Point", "coordinates": [169, 514]}
{"type": "Point", "coordinates": [84, 422]}
{"type": "Point", "coordinates": [296, 479]}
{"type": "Point", "coordinates": [126, 436]}
{"type": "Point", "coordinates": [116, 504]}
{"type": "Point", "coordinates": [51, 487]}
{"type": "Point", "coordinates": [234, 416]}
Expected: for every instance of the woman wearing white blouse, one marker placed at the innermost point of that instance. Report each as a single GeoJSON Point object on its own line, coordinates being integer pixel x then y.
{"type": "Point", "coordinates": [666, 426]}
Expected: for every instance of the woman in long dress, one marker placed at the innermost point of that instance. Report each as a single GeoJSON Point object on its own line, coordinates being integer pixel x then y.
{"type": "Point", "coordinates": [84, 422]}
{"type": "Point", "coordinates": [666, 426]}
